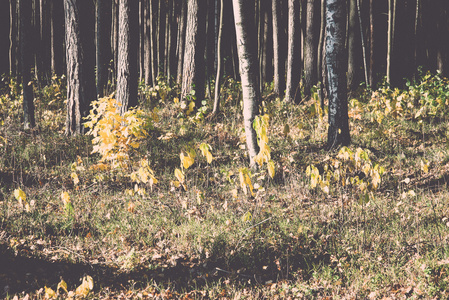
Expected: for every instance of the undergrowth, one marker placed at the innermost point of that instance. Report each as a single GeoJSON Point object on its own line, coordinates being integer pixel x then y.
{"type": "Point", "coordinates": [160, 202]}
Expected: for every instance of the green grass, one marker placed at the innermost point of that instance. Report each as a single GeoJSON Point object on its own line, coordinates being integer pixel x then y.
{"type": "Point", "coordinates": [208, 242]}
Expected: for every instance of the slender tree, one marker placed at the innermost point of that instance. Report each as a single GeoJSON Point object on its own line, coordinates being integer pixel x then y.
{"type": "Point", "coordinates": [57, 37]}
{"type": "Point", "coordinates": [80, 56]}
{"type": "Point", "coordinates": [127, 73]}
{"type": "Point", "coordinates": [247, 52]}
{"type": "Point", "coordinates": [147, 43]}
{"type": "Point", "coordinates": [293, 92]}
{"type": "Point", "coordinates": [103, 54]}
{"type": "Point", "coordinates": [353, 47]}
{"type": "Point", "coordinates": [4, 37]}
{"type": "Point", "coordinates": [279, 47]}
{"type": "Point", "coordinates": [338, 132]}
{"type": "Point", "coordinates": [26, 59]}
{"type": "Point", "coordinates": [216, 108]}
{"type": "Point", "coordinates": [194, 67]}
{"type": "Point", "coordinates": [310, 47]}
{"type": "Point", "coordinates": [182, 20]}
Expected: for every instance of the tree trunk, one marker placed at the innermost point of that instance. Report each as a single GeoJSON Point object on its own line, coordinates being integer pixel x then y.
{"type": "Point", "coordinates": [4, 37]}
{"type": "Point", "coordinates": [161, 37]}
{"type": "Point", "coordinates": [338, 132]}
{"type": "Point", "coordinates": [103, 55]}
{"type": "Point", "coordinates": [219, 63]}
{"type": "Point", "coordinates": [181, 40]}
{"type": "Point", "coordinates": [57, 37]}
{"type": "Point", "coordinates": [246, 42]}
{"type": "Point", "coordinates": [26, 58]}
{"type": "Point", "coordinates": [293, 91]}
{"type": "Point", "coordinates": [194, 67]}
{"type": "Point", "coordinates": [390, 37]}
{"type": "Point", "coordinates": [127, 73]}
{"type": "Point", "coordinates": [147, 43]}
{"type": "Point", "coordinates": [353, 47]}
{"type": "Point", "coordinates": [154, 4]}
{"type": "Point", "coordinates": [321, 72]}
{"type": "Point", "coordinates": [13, 44]}
{"type": "Point", "coordinates": [114, 39]}
{"type": "Point", "coordinates": [310, 51]}
{"type": "Point", "coordinates": [372, 83]}
{"type": "Point", "coordinates": [80, 55]}
{"type": "Point", "coordinates": [279, 47]}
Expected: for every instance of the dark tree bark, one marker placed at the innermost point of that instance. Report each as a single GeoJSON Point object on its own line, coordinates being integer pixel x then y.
{"type": "Point", "coordinates": [147, 44]}
{"type": "Point", "coordinates": [279, 46]}
{"type": "Point", "coordinates": [13, 34]}
{"type": "Point", "coordinates": [127, 73]}
{"type": "Point", "coordinates": [161, 37]}
{"type": "Point", "coordinates": [321, 72]}
{"type": "Point", "coordinates": [103, 54]}
{"type": "Point", "coordinates": [293, 92]}
{"type": "Point", "coordinates": [338, 132]}
{"type": "Point", "coordinates": [181, 40]}
{"type": "Point", "coordinates": [154, 4]}
{"type": "Point", "coordinates": [57, 37]}
{"type": "Point", "coordinates": [114, 39]}
{"type": "Point", "coordinates": [354, 62]}
{"type": "Point", "coordinates": [247, 52]}
{"type": "Point", "coordinates": [26, 59]}
{"type": "Point", "coordinates": [310, 51]}
{"type": "Point", "coordinates": [4, 37]}
{"type": "Point", "coordinates": [194, 66]}
{"type": "Point", "coordinates": [372, 83]}
{"type": "Point", "coordinates": [79, 39]}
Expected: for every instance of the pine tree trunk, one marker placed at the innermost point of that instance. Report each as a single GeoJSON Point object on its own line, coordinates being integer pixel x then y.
{"type": "Point", "coordinates": [194, 67]}
{"type": "Point", "coordinates": [246, 42]}
{"type": "Point", "coordinates": [26, 56]}
{"type": "Point", "coordinates": [293, 92]}
{"type": "Point", "coordinates": [80, 56]}
{"type": "Point", "coordinates": [338, 131]}
{"type": "Point", "coordinates": [127, 52]}
{"type": "Point", "coordinates": [372, 83]}
{"type": "Point", "coordinates": [13, 37]}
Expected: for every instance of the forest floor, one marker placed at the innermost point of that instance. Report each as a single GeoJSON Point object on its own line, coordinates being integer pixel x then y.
{"type": "Point", "coordinates": [174, 212]}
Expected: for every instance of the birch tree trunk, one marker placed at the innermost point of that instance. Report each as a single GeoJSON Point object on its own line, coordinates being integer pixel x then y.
{"type": "Point", "coordinates": [247, 52]}
{"type": "Point", "coordinates": [338, 132]}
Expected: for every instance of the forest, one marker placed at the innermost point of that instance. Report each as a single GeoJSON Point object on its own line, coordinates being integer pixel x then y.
{"type": "Point", "coordinates": [224, 149]}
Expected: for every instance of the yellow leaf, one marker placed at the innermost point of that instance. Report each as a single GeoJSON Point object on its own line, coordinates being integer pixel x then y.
{"type": "Point", "coordinates": [62, 285]}
{"type": "Point", "coordinates": [186, 160]}
{"type": "Point", "coordinates": [86, 286]}
{"type": "Point", "coordinates": [49, 293]}
{"type": "Point", "coordinates": [20, 195]}
{"type": "Point", "coordinates": [179, 175]}
{"type": "Point", "coordinates": [271, 168]}
{"type": "Point", "coordinates": [75, 178]}
{"type": "Point", "coordinates": [65, 198]}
